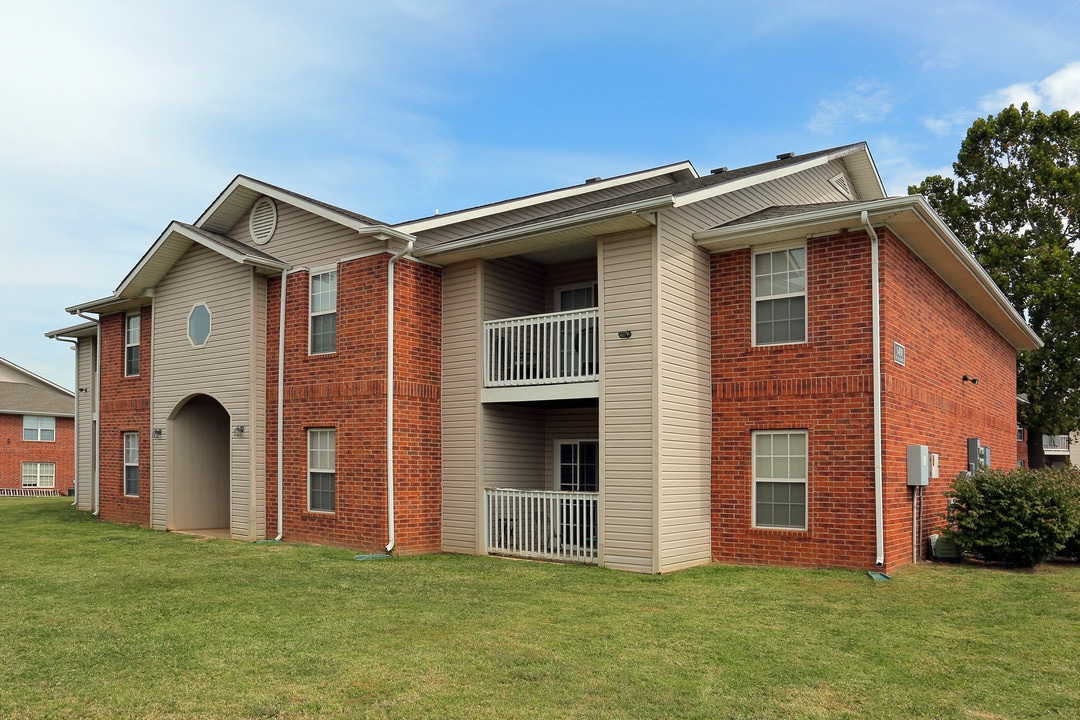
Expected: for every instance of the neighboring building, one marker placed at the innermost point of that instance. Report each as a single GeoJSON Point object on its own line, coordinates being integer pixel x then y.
{"type": "Point", "coordinates": [648, 372]}
{"type": "Point", "coordinates": [37, 434]}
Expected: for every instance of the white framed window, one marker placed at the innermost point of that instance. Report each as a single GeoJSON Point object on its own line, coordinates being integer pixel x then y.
{"type": "Point", "coordinates": [200, 324]}
{"type": "Point", "coordinates": [38, 428]}
{"type": "Point", "coordinates": [131, 344]}
{"type": "Point", "coordinates": [1019, 433]}
{"type": "Point", "coordinates": [38, 475]}
{"type": "Point", "coordinates": [323, 312]}
{"type": "Point", "coordinates": [131, 464]}
{"type": "Point", "coordinates": [321, 473]}
{"type": "Point", "coordinates": [577, 464]}
{"type": "Point", "coordinates": [580, 296]}
{"type": "Point", "coordinates": [779, 479]}
{"type": "Point", "coordinates": [779, 296]}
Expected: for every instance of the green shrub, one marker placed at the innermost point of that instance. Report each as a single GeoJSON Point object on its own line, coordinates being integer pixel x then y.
{"type": "Point", "coordinates": [1021, 517]}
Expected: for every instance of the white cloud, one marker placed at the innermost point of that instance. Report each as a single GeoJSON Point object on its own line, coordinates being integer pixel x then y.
{"type": "Point", "coordinates": [865, 101]}
{"type": "Point", "coordinates": [1060, 90]}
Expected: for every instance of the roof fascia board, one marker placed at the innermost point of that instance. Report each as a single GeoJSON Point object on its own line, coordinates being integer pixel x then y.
{"type": "Point", "coordinates": [299, 202]}
{"type": "Point", "coordinates": [35, 376]}
{"type": "Point", "coordinates": [508, 234]}
{"type": "Point", "coordinates": [749, 181]}
{"type": "Point", "coordinates": [416, 226]}
{"type": "Point", "coordinates": [88, 329]}
{"type": "Point", "coordinates": [881, 211]}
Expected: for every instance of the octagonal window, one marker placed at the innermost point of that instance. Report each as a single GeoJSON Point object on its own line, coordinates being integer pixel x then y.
{"type": "Point", "coordinates": [198, 325]}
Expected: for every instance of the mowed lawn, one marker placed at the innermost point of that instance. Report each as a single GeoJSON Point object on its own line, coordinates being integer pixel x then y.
{"type": "Point", "coordinates": [103, 621]}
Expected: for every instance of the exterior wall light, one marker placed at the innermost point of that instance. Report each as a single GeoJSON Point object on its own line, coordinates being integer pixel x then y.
{"type": "Point", "coordinates": [972, 380]}
{"type": "Point", "coordinates": [238, 430]}
{"type": "Point", "coordinates": [625, 334]}
{"type": "Point", "coordinates": [158, 432]}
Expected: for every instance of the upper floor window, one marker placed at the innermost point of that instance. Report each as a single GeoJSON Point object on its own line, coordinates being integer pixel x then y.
{"type": "Point", "coordinates": [38, 428]}
{"type": "Point", "coordinates": [779, 306]}
{"type": "Point", "coordinates": [131, 344]}
{"type": "Point", "coordinates": [323, 311]}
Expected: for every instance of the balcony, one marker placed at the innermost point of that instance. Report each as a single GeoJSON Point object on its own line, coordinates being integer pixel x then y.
{"type": "Point", "coordinates": [539, 357]}
{"type": "Point", "coordinates": [1056, 444]}
{"type": "Point", "coordinates": [541, 524]}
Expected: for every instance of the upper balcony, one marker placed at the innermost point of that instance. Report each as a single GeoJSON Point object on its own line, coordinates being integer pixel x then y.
{"type": "Point", "coordinates": [552, 356]}
{"type": "Point", "coordinates": [1056, 444]}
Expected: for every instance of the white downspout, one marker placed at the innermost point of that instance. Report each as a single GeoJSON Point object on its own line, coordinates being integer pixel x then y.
{"type": "Point", "coordinates": [281, 403]}
{"type": "Point", "coordinates": [879, 513]}
{"type": "Point", "coordinates": [390, 393]}
{"type": "Point", "coordinates": [95, 405]}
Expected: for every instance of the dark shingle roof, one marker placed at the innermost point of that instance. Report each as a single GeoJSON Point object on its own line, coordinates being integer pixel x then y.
{"type": "Point", "coordinates": [228, 242]}
{"type": "Point", "coordinates": [21, 398]}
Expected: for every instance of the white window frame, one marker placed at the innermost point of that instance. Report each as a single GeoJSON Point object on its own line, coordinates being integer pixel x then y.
{"type": "Point", "coordinates": [132, 329]}
{"type": "Point", "coordinates": [558, 460]}
{"type": "Point", "coordinates": [754, 298]}
{"type": "Point", "coordinates": [131, 461]}
{"type": "Point", "coordinates": [560, 289]}
{"type": "Point", "coordinates": [38, 425]}
{"type": "Point", "coordinates": [316, 463]}
{"type": "Point", "coordinates": [804, 480]}
{"type": "Point", "coordinates": [313, 313]}
{"type": "Point", "coordinates": [33, 470]}
{"type": "Point", "coordinates": [209, 324]}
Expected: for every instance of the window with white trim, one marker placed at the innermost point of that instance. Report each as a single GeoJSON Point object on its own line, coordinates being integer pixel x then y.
{"type": "Point", "coordinates": [38, 428]}
{"type": "Point", "coordinates": [779, 291]}
{"type": "Point", "coordinates": [321, 472]}
{"type": "Point", "coordinates": [323, 312]}
{"type": "Point", "coordinates": [581, 296]}
{"type": "Point", "coordinates": [38, 475]}
{"type": "Point", "coordinates": [131, 344]}
{"type": "Point", "coordinates": [780, 471]}
{"type": "Point", "coordinates": [131, 464]}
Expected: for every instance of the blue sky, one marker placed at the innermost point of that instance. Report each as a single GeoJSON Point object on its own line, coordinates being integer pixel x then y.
{"type": "Point", "coordinates": [119, 116]}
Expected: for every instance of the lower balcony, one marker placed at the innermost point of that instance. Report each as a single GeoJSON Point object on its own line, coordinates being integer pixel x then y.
{"type": "Point", "coordinates": [541, 524]}
{"type": "Point", "coordinates": [553, 356]}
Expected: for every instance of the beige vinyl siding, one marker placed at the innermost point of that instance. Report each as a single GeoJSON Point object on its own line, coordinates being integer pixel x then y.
{"type": "Point", "coordinates": [685, 411]}
{"type": "Point", "coordinates": [513, 287]}
{"type": "Point", "coordinates": [258, 432]}
{"type": "Point", "coordinates": [305, 240]}
{"type": "Point", "coordinates": [627, 383]}
{"type": "Point", "coordinates": [225, 369]}
{"type": "Point", "coordinates": [513, 447]}
{"type": "Point", "coordinates": [461, 419]}
{"type": "Point", "coordinates": [575, 423]}
{"type": "Point", "coordinates": [85, 422]}
{"type": "Point", "coordinates": [574, 272]}
{"type": "Point", "coordinates": [540, 210]}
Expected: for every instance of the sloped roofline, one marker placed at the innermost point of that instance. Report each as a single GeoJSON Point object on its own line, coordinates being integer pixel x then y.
{"type": "Point", "coordinates": [173, 242]}
{"type": "Point", "coordinates": [35, 376]}
{"type": "Point", "coordinates": [917, 225]}
{"type": "Point", "coordinates": [681, 170]}
{"type": "Point", "coordinates": [222, 214]}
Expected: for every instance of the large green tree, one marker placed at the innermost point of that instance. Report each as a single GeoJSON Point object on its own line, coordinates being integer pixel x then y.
{"type": "Point", "coordinates": [1016, 204]}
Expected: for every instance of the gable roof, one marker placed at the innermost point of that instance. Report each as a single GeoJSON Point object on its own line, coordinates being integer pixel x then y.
{"type": "Point", "coordinates": [910, 218]}
{"type": "Point", "coordinates": [25, 376]}
{"type": "Point", "coordinates": [170, 246]}
{"type": "Point", "coordinates": [628, 211]}
{"type": "Point", "coordinates": [31, 394]}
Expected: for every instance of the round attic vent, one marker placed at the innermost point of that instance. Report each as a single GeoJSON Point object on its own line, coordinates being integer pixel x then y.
{"type": "Point", "coordinates": [263, 221]}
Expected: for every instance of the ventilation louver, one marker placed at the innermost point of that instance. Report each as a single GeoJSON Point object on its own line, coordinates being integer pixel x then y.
{"type": "Point", "coordinates": [841, 183]}
{"type": "Point", "coordinates": [263, 221]}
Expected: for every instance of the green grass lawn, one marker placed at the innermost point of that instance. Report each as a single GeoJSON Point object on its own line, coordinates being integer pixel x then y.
{"type": "Point", "coordinates": [102, 621]}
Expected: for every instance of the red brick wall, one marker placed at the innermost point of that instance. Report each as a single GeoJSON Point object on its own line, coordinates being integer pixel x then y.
{"type": "Point", "coordinates": [125, 407]}
{"type": "Point", "coordinates": [825, 386]}
{"type": "Point", "coordinates": [926, 401]}
{"type": "Point", "coordinates": [346, 390]}
{"type": "Point", "coordinates": [14, 451]}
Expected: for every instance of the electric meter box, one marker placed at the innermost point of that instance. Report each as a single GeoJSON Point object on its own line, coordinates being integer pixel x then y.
{"type": "Point", "coordinates": [918, 465]}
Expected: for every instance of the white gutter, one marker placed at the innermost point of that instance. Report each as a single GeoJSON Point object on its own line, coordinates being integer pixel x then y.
{"type": "Point", "coordinates": [390, 393]}
{"type": "Point", "coordinates": [879, 513]}
{"type": "Point", "coordinates": [281, 403]}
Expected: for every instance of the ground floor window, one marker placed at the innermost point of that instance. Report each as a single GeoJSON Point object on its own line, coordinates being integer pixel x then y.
{"type": "Point", "coordinates": [131, 464]}
{"type": "Point", "coordinates": [578, 465]}
{"type": "Point", "coordinates": [321, 473]}
{"type": "Point", "coordinates": [38, 475]}
{"type": "Point", "coordinates": [779, 479]}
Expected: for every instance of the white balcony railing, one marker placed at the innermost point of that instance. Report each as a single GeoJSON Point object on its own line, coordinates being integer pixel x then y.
{"type": "Point", "coordinates": [1056, 444]}
{"type": "Point", "coordinates": [541, 524]}
{"type": "Point", "coordinates": [541, 349]}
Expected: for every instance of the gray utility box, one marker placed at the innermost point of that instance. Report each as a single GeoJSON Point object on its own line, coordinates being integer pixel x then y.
{"type": "Point", "coordinates": [918, 465]}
